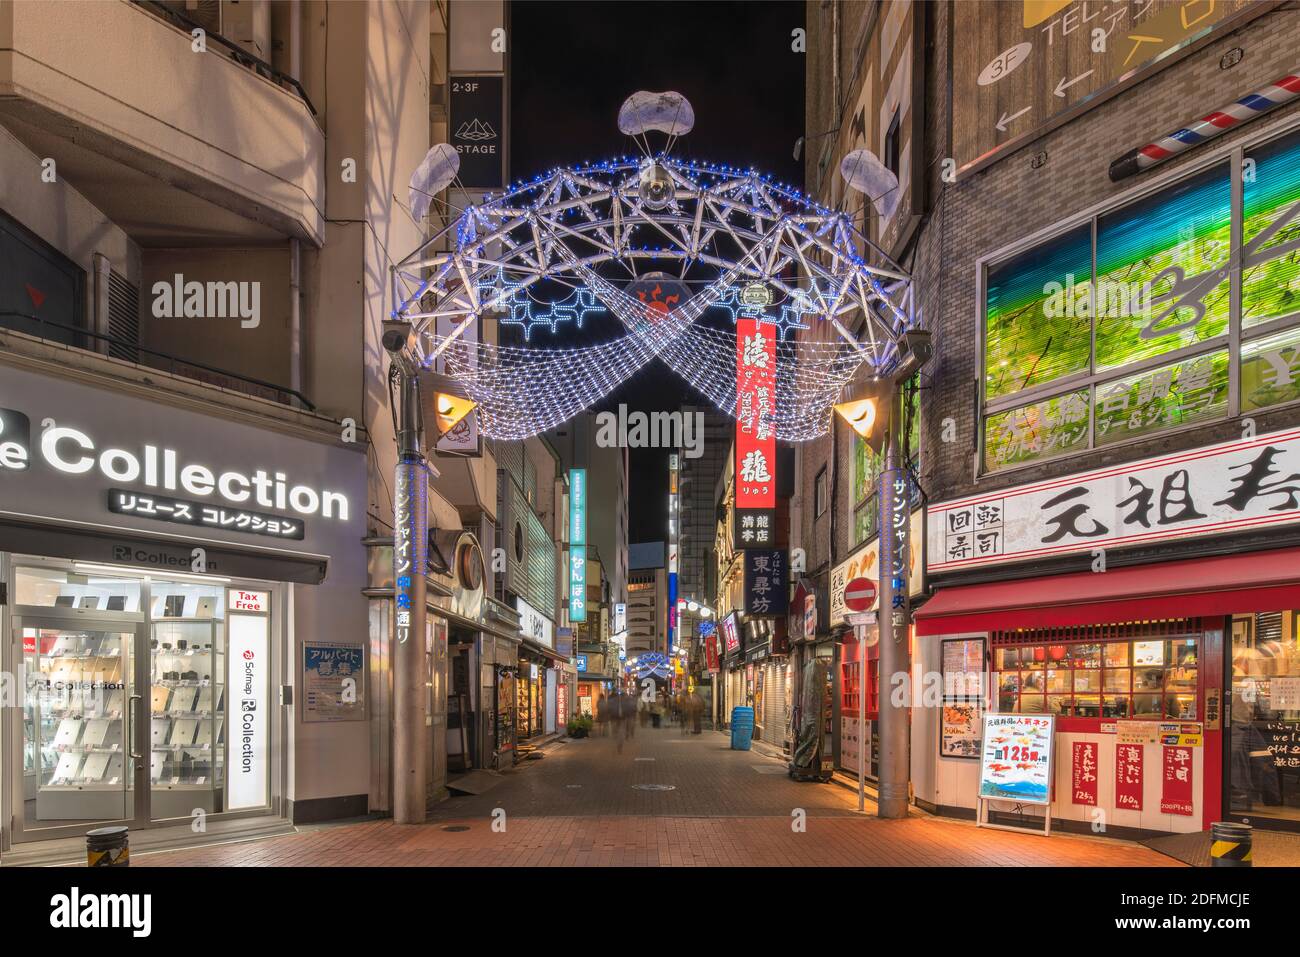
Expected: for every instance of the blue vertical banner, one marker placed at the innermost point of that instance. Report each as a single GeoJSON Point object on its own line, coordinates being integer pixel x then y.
{"type": "Point", "coordinates": [577, 544]}
{"type": "Point", "coordinates": [410, 545]}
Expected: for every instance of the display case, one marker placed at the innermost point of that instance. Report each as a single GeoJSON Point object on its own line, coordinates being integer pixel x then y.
{"type": "Point", "coordinates": [74, 723]}
{"type": "Point", "coordinates": [186, 714]}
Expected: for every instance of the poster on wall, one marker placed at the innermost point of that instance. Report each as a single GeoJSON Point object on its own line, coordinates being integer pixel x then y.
{"type": "Point", "coordinates": [1083, 773]}
{"type": "Point", "coordinates": [333, 681]}
{"type": "Point", "coordinates": [959, 735]}
{"type": "Point", "coordinates": [1016, 758]}
{"type": "Point", "coordinates": [1128, 776]}
{"type": "Point", "coordinates": [1176, 782]}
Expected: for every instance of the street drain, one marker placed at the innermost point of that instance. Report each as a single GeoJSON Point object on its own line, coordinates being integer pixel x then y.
{"type": "Point", "coordinates": [456, 827]}
{"type": "Point", "coordinates": [654, 787]}
{"type": "Point", "coordinates": [573, 785]}
{"type": "Point", "coordinates": [643, 759]}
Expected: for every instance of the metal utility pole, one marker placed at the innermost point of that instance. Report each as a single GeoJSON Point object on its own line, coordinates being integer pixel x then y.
{"type": "Point", "coordinates": [410, 548]}
{"type": "Point", "coordinates": [893, 618]}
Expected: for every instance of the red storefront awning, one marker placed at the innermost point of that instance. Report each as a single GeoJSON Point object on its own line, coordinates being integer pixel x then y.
{"type": "Point", "coordinates": [1195, 588]}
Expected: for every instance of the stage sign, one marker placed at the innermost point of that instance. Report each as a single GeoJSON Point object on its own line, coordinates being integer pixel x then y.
{"type": "Point", "coordinates": [476, 126]}
{"type": "Point", "coordinates": [1021, 67]}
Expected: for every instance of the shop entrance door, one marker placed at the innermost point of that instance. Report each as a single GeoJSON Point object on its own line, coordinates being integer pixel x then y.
{"type": "Point", "coordinates": [84, 725]}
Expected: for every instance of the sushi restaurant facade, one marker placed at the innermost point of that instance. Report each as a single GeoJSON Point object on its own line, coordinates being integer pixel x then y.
{"type": "Point", "coordinates": [1152, 610]}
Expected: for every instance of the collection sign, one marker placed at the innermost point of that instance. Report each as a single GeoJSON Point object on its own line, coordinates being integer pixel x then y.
{"type": "Point", "coordinates": [1016, 758]}
{"type": "Point", "coordinates": [248, 669]}
{"type": "Point", "coordinates": [1242, 484]}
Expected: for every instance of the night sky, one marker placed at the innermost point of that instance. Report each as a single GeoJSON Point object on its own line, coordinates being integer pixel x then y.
{"type": "Point", "coordinates": [573, 64]}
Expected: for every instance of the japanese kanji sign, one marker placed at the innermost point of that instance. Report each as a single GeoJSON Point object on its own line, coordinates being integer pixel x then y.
{"type": "Point", "coordinates": [766, 590]}
{"type": "Point", "coordinates": [1247, 483]}
{"type": "Point", "coordinates": [1016, 758]}
{"type": "Point", "coordinates": [755, 414]}
{"type": "Point", "coordinates": [182, 512]}
{"type": "Point", "coordinates": [1128, 776]}
{"type": "Point", "coordinates": [1176, 782]}
{"type": "Point", "coordinates": [1083, 773]}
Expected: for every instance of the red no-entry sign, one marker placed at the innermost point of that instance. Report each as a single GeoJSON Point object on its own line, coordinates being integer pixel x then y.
{"type": "Point", "coordinates": [860, 594]}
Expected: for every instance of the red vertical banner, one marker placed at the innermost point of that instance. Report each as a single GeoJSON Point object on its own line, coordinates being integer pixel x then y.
{"type": "Point", "coordinates": [1128, 777]}
{"type": "Point", "coordinates": [755, 414]}
{"type": "Point", "coordinates": [1083, 773]}
{"type": "Point", "coordinates": [1176, 784]}
{"type": "Point", "coordinates": [711, 650]}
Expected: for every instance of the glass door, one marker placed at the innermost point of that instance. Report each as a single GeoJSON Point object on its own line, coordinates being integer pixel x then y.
{"type": "Point", "coordinates": [80, 724]}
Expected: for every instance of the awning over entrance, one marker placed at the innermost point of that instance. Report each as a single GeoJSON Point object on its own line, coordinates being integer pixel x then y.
{"type": "Point", "coordinates": [1199, 587]}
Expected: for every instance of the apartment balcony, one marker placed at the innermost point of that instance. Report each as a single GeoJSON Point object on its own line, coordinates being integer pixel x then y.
{"type": "Point", "coordinates": [176, 147]}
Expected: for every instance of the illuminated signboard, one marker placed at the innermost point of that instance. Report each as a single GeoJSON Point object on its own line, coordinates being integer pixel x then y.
{"type": "Point", "coordinates": [577, 544]}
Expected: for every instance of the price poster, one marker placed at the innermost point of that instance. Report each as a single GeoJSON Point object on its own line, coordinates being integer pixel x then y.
{"type": "Point", "coordinates": [1176, 781]}
{"type": "Point", "coordinates": [1128, 776]}
{"type": "Point", "coordinates": [960, 735]}
{"type": "Point", "coordinates": [1083, 773]}
{"type": "Point", "coordinates": [1016, 758]}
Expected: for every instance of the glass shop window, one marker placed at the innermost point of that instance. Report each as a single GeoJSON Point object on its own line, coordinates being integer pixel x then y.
{"type": "Point", "coordinates": [1264, 752]}
{"type": "Point", "coordinates": [1130, 678]}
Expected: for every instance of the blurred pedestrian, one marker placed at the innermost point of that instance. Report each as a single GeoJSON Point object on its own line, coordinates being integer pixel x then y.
{"type": "Point", "coordinates": [602, 716]}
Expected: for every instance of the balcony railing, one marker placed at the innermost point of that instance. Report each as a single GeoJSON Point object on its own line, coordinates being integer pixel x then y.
{"type": "Point", "coordinates": [186, 368]}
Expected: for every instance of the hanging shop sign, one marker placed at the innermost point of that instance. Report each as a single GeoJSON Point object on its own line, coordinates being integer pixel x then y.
{"type": "Point", "coordinates": [533, 624]}
{"type": "Point", "coordinates": [754, 528]}
{"type": "Point", "coordinates": [1128, 776]}
{"type": "Point", "coordinates": [581, 665]}
{"type": "Point", "coordinates": [462, 353]}
{"type": "Point", "coordinates": [1083, 773]}
{"type": "Point", "coordinates": [755, 465]}
{"type": "Point", "coordinates": [1242, 484]}
{"type": "Point", "coordinates": [766, 590]}
{"type": "Point", "coordinates": [810, 615]}
{"type": "Point", "coordinates": [865, 563]}
{"type": "Point", "coordinates": [711, 652]}
{"type": "Point", "coordinates": [730, 635]}
{"type": "Point", "coordinates": [1016, 758]}
{"type": "Point", "coordinates": [476, 124]}
{"type": "Point", "coordinates": [333, 681]}
{"type": "Point", "coordinates": [577, 545]}
{"type": "Point", "coordinates": [1176, 781]}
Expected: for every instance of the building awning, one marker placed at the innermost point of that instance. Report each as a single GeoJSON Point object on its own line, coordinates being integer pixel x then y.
{"type": "Point", "coordinates": [1193, 588]}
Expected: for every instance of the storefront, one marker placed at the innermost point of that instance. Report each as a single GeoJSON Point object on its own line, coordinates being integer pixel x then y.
{"type": "Point", "coordinates": [1132, 659]}
{"type": "Point", "coordinates": [737, 693]}
{"type": "Point", "coordinates": [173, 578]}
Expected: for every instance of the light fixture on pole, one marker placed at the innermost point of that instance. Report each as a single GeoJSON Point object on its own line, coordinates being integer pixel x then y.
{"type": "Point", "coordinates": [445, 401]}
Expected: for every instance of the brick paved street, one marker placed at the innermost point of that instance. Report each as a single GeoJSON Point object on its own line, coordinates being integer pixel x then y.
{"type": "Point", "coordinates": [580, 805]}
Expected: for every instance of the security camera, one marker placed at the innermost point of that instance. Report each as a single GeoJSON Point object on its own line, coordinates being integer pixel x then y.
{"type": "Point", "coordinates": [396, 340]}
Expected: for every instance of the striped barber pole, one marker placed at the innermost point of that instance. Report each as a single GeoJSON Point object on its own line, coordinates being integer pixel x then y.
{"type": "Point", "coordinates": [1207, 127]}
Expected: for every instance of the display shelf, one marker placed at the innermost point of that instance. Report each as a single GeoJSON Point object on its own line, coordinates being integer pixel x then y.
{"type": "Point", "coordinates": [187, 702]}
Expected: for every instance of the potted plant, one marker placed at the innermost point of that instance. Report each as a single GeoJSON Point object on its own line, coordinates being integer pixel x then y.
{"type": "Point", "coordinates": [579, 726]}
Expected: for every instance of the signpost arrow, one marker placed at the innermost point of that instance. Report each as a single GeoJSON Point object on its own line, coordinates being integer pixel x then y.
{"type": "Point", "coordinates": [1062, 84]}
{"type": "Point", "coordinates": [1002, 123]}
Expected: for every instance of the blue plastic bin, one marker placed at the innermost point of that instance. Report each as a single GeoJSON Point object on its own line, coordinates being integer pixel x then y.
{"type": "Point", "coordinates": [742, 728]}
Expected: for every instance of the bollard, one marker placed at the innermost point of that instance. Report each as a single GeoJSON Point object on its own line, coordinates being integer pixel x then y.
{"type": "Point", "coordinates": [108, 847]}
{"type": "Point", "coordinates": [1231, 844]}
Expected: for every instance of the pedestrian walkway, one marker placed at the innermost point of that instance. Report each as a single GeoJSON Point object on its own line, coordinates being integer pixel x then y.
{"type": "Point", "coordinates": [664, 799]}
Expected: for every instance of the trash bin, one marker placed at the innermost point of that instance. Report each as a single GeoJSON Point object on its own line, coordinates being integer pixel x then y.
{"type": "Point", "coordinates": [742, 728]}
{"type": "Point", "coordinates": [1231, 844]}
{"type": "Point", "coordinates": [108, 847]}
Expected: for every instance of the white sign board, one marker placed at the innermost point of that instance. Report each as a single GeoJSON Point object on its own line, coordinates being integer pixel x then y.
{"type": "Point", "coordinates": [1243, 484]}
{"type": "Point", "coordinates": [865, 563]}
{"type": "Point", "coordinates": [1016, 758]}
{"type": "Point", "coordinates": [246, 681]}
{"type": "Point", "coordinates": [533, 624]}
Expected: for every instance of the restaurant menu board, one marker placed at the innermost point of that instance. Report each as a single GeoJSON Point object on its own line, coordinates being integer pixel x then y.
{"type": "Point", "coordinates": [959, 736]}
{"type": "Point", "coordinates": [1016, 759]}
{"type": "Point", "coordinates": [963, 699]}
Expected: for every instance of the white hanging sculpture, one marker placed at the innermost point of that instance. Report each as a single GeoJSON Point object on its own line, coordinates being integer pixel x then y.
{"type": "Point", "coordinates": [667, 112]}
{"type": "Point", "coordinates": [868, 175]}
{"type": "Point", "coordinates": [434, 174]}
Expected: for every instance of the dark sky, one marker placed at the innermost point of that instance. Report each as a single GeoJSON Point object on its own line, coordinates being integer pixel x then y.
{"type": "Point", "coordinates": [573, 64]}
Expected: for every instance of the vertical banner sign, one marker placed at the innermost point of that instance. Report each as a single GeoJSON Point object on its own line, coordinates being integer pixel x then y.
{"type": "Point", "coordinates": [755, 464]}
{"type": "Point", "coordinates": [562, 701]}
{"type": "Point", "coordinates": [674, 538]}
{"type": "Point", "coordinates": [1128, 776]}
{"type": "Point", "coordinates": [247, 671]}
{"type": "Point", "coordinates": [1083, 773]}
{"type": "Point", "coordinates": [765, 587]}
{"type": "Point", "coordinates": [477, 124]}
{"type": "Point", "coordinates": [1176, 786]}
{"type": "Point", "coordinates": [577, 544]}
{"type": "Point", "coordinates": [410, 541]}
{"type": "Point", "coordinates": [464, 438]}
